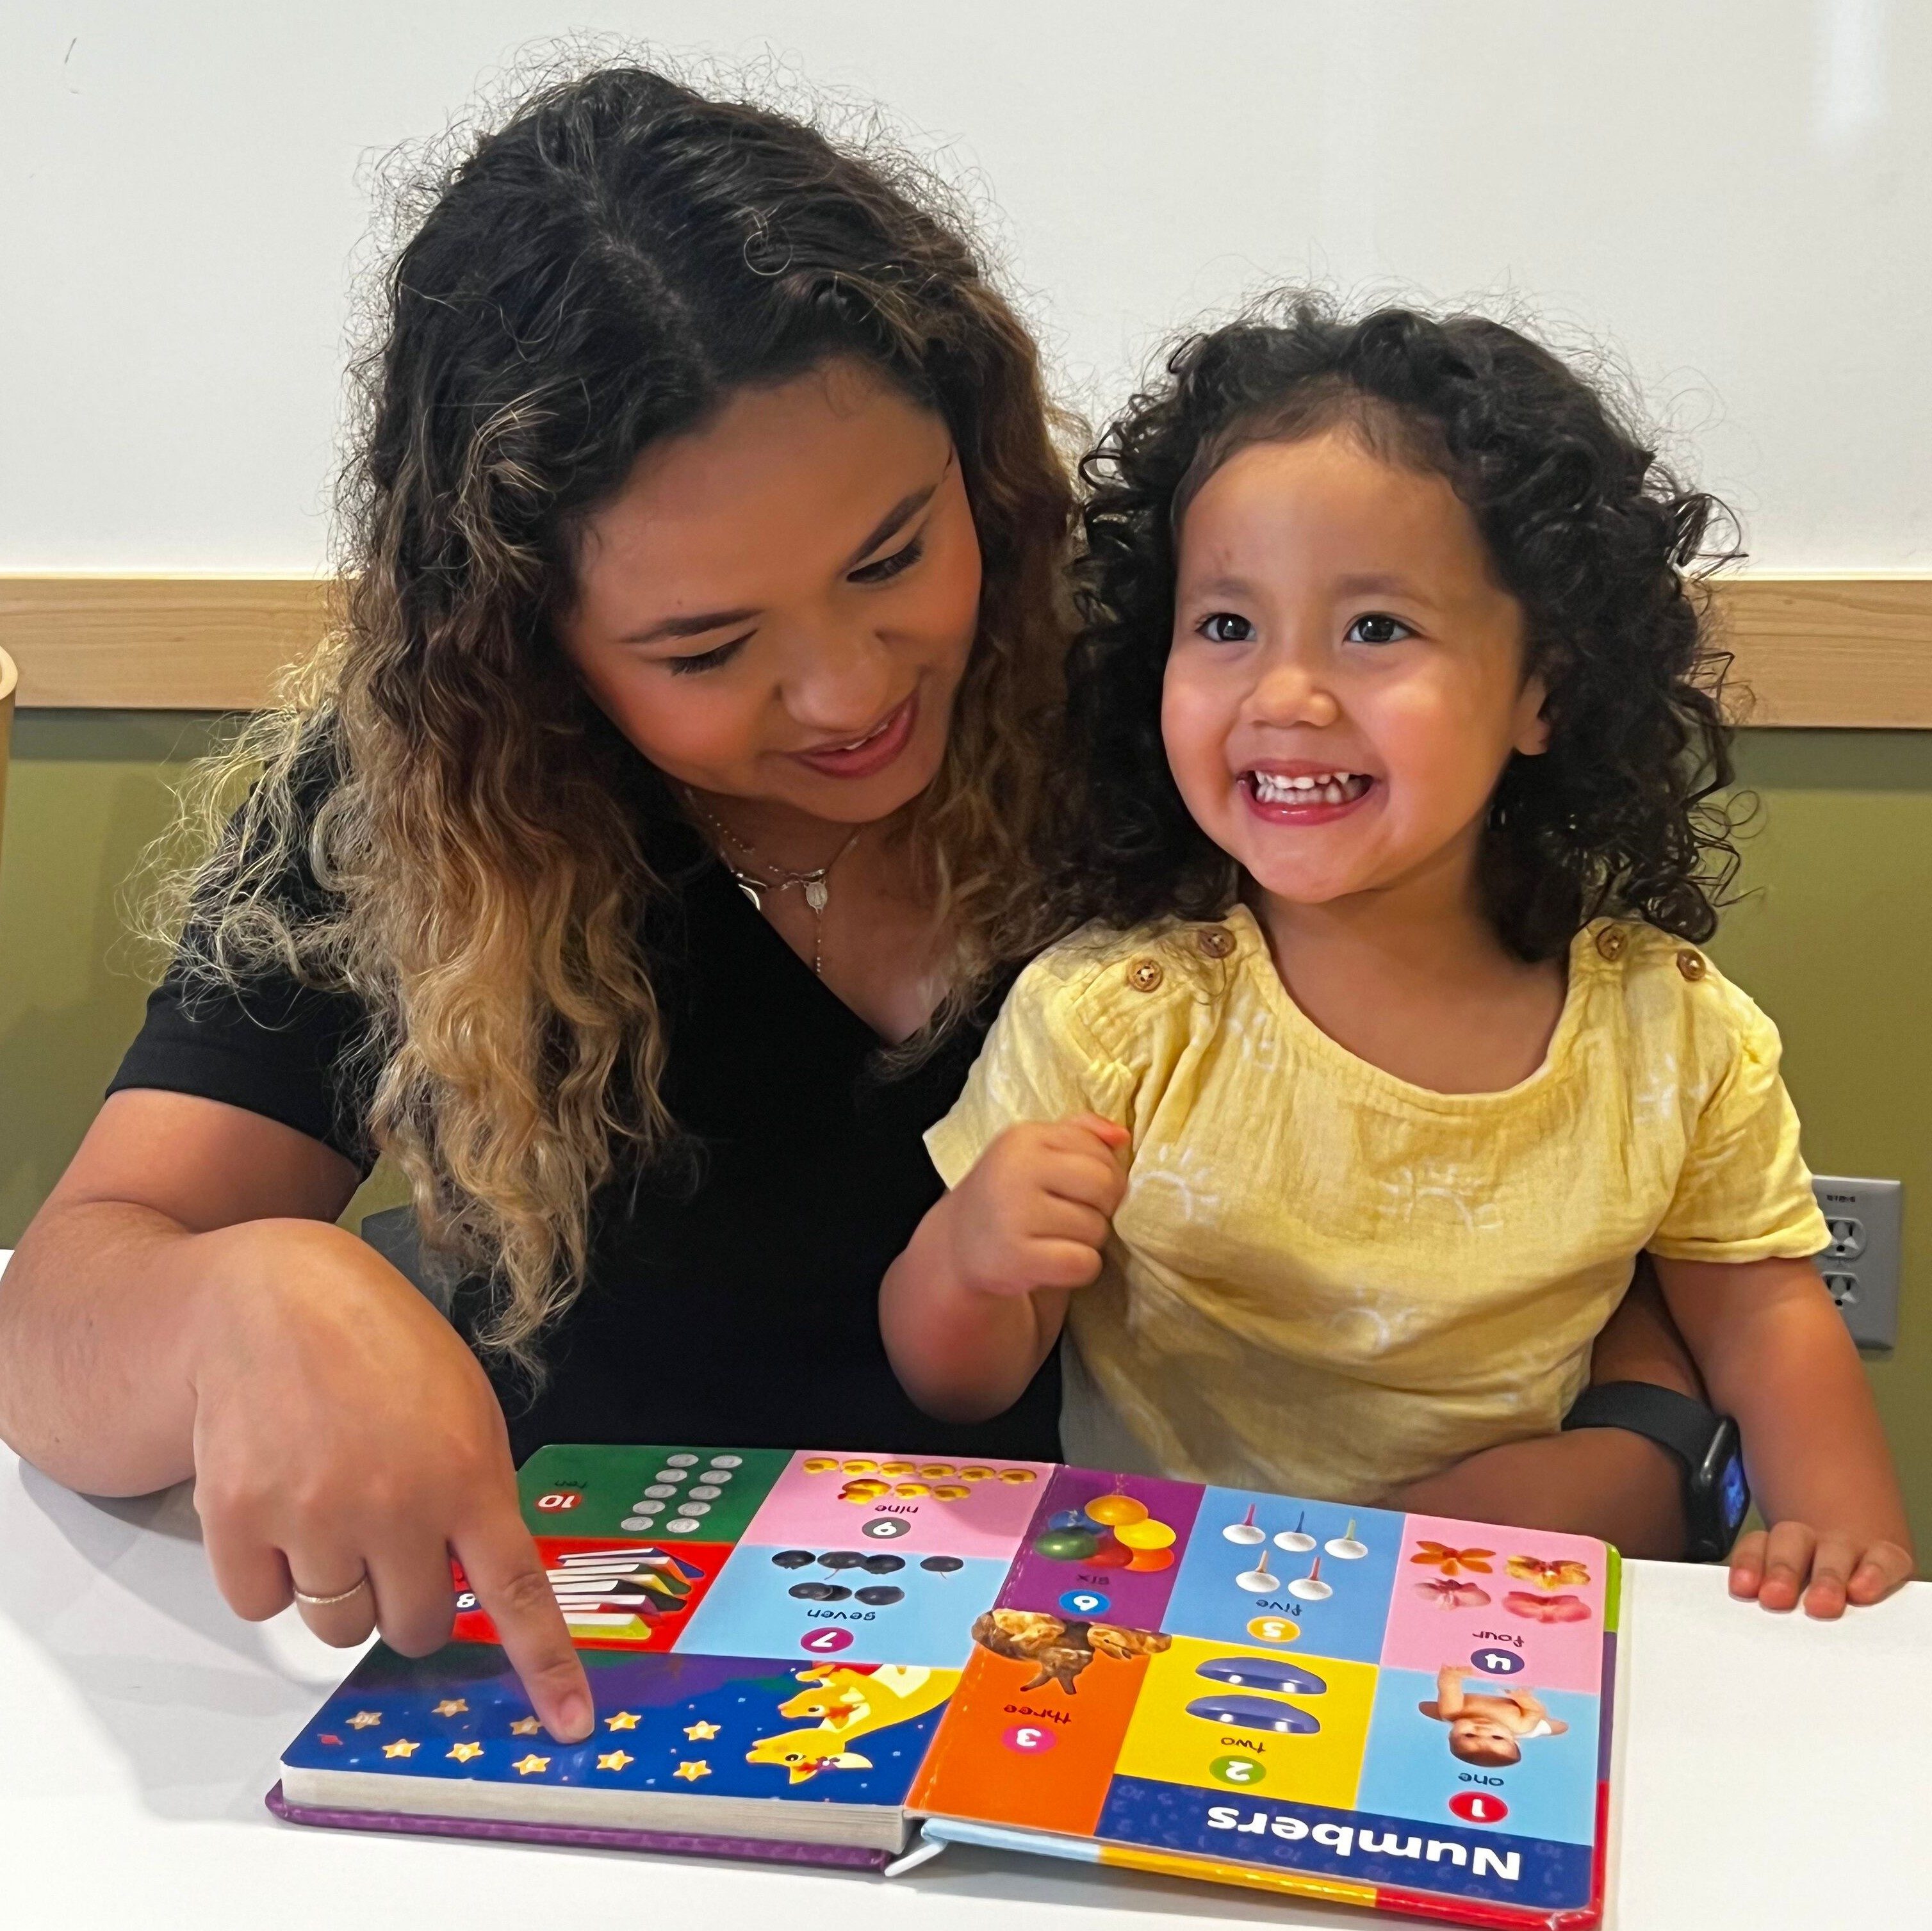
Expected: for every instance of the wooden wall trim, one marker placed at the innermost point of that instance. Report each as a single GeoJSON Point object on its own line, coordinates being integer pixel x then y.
{"type": "Point", "coordinates": [1854, 652]}
{"type": "Point", "coordinates": [1843, 649]}
{"type": "Point", "coordinates": [158, 644]}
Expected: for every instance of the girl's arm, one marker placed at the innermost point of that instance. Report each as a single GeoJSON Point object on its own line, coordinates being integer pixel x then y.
{"type": "Point", "coordinates": [1776, 1355]}
{"type": "Point", "coordinates": [182, 1306]}
{"type": "Point", "coordinates": [1607, 1483]}
{"type": "Point", "coordinates": [970, 1310]}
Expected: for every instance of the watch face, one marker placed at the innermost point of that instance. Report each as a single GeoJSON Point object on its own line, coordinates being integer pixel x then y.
{"type": "Point", "coordinates": [1733, 1494]}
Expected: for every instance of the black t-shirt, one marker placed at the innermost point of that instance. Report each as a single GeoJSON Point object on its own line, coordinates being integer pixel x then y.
{"type": "Point", "coordinates": [730, 1295]}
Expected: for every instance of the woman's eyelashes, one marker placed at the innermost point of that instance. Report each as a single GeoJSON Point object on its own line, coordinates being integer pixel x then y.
{"type": "Point", "coordinates": [887, 568]}
{"type": "Point", "coordinates": [707, 660]}
{"type": "Point", "coordinates": [902, 560]}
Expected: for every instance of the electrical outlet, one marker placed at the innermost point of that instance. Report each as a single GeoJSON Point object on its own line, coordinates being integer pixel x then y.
{"type": "Point", "coordinates": [1861, 1265]}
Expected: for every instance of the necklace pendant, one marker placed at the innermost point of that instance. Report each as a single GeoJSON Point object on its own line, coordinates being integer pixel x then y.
{"type": "Point", "coordinates": [817, 894]}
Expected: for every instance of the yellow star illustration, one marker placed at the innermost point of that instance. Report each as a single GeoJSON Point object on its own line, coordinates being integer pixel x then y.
{"type": "Point", "coordinates": [701, 1732]}
{"type": "Point", "coordinates": [363, 1719]}
{"type": "Point", "coordinates": [616, 1760]}
{"type": "Point", "coordinates": [451, 1706]}
{"type": "Point", "coordinates": [525, 1726]}
{"type": "Point", "coordinates": [401, 1747]}
{"type": "Point", "coordinates": [528, 1766]}
{"type": "Point", "coordinates": [692, 1772]}
{"type": "Point", "coordinates": [624, 1720]}
{"type": "Point", "coordinates": [463, 1753]}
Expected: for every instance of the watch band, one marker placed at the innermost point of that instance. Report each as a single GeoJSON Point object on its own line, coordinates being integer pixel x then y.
{"type": "Point", "coordinates": [1679, 1423]}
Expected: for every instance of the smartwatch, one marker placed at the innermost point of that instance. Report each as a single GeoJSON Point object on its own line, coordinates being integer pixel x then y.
{"type": "Point", "coordinates": [1717, 1497]}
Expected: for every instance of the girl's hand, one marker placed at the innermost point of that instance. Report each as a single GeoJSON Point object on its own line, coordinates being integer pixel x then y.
{"type": "Point", "coordinates": [347, 1440]}
{"type": "Point", "coordinates": [1794, 1561]}
{"type": "Point", "coordinates": [1036, 1211]}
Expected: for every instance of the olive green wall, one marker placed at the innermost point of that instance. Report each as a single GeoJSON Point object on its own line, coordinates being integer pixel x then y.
{"type": "Point", "coordinates": [1834, 943]}
{"type": "Point", "coordinates": [87, 791]}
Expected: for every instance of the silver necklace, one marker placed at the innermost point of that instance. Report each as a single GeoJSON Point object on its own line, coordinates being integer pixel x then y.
{"type": "Point", "coordinates": [814, 886]}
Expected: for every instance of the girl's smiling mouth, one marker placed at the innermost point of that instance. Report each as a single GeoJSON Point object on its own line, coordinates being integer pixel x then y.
{"type": "Point", "coordinates": [1305, 794]}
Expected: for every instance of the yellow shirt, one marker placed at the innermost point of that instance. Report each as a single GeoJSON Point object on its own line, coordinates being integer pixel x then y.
{"type": "Point", "coordinates": [1326, 1281]}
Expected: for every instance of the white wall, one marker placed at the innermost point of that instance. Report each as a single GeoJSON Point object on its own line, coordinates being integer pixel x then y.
{"type": "Point", "coordinates": [1739, 192]}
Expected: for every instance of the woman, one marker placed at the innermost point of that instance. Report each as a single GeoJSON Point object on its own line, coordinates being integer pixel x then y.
{"type": "Point", "coordinates": [675, 757]}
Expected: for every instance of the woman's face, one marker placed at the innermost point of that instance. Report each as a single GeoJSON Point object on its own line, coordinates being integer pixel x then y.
{"type": "Point", "coordinates": [779, 606]}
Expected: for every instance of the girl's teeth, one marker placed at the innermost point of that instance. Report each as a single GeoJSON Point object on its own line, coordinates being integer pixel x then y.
{"type": "Point", "coordinates": [1336, 788]}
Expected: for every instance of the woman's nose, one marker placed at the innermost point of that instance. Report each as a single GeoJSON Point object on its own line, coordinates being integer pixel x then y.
{"type": "Point", "coordinates": [840, 680]}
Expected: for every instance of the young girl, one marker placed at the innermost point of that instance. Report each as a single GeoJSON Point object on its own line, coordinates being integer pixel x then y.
{"type": "Point", "coordinates": [1394, 730]}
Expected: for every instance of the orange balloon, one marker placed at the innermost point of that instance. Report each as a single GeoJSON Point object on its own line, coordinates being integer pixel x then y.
{"type": "Point", "coordinates": [1116, 1509]}
{"type": "Point", "coordinates": [1147, 1559]}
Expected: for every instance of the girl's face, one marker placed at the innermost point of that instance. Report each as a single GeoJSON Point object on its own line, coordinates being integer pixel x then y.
{"type": "Point", "coordinates": [780, 605]}
{"type": "Point", "coordinates": [1345, 682]}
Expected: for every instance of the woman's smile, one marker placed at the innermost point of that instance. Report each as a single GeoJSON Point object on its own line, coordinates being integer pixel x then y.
{"type": "Point", "coordinates": [866, 756]}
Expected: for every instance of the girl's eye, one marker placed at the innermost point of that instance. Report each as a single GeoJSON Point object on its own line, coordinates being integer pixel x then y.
{"type": "Point", "coordinates": [1376, 628]}
{"type": "Point", "coordinates": [887, 568]}
{"type": "Point", "coordinates": [1224, 627]}
{"type": "Point", "coordinates": [706, 660]}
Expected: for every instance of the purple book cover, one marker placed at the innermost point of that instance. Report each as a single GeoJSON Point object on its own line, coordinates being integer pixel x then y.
{"type": "Point", "coordinates": [664, 1843]}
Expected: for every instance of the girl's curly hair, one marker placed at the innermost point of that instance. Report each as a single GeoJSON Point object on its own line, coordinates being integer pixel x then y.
{"type": "Point", "coordinates": [1600, 545]}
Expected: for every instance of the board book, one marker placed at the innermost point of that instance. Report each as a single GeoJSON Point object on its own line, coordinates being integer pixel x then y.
{"type": "Point", "coordinates": [858, 1658]}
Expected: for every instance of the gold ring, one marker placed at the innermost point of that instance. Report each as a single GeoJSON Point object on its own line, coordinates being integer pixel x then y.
{"type": "Point", "coordinates": [329, 1601]}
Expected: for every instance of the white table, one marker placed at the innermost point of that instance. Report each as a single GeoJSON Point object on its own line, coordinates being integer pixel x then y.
{"type": "Point", "coordinates": [1772, 1774]}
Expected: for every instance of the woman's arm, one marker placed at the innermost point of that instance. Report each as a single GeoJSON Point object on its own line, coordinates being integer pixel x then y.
{"type": "Point", "coordinates": [1777, 1356]}
{"type": "Point", "coordinates": [182, 1306]}
{"type": "Point", "coordinates": [1602, 1482]}
{"type": "Point", "coordinates": [971, 1308]}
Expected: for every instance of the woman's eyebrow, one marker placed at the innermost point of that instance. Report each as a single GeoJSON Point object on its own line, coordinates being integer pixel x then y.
{"type": "Point", "coordinates": [903, 511]}
{"type": "Point", "coordinates": [691, 626]}
{"type": "Point", "coordinates": [894, 519]}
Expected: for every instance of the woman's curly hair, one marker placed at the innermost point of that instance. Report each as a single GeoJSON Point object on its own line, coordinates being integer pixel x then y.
{"type": "Point", "coordinates": [1599, 544]}
{"type": "Point", "coordinates": [602, 271]}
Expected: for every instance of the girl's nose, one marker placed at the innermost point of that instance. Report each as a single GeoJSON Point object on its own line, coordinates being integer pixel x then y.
{"type": "Point", "coordinates": [1291, 690]}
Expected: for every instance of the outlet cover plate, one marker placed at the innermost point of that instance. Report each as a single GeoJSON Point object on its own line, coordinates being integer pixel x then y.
{"type": "Point", "coordinates": [1861, 1266]}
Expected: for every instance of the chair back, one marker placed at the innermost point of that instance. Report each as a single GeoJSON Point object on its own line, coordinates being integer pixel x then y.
{"type": "Point", "coordinates": [10, 678]}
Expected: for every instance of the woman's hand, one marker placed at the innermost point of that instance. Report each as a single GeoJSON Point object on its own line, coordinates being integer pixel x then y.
{"type": "Point", "coordinates": [183, 1304]}
{"type": "Point", "coordinates": [346, 1443]}
{"type": "Point", "coordinates": [970, 1310]}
